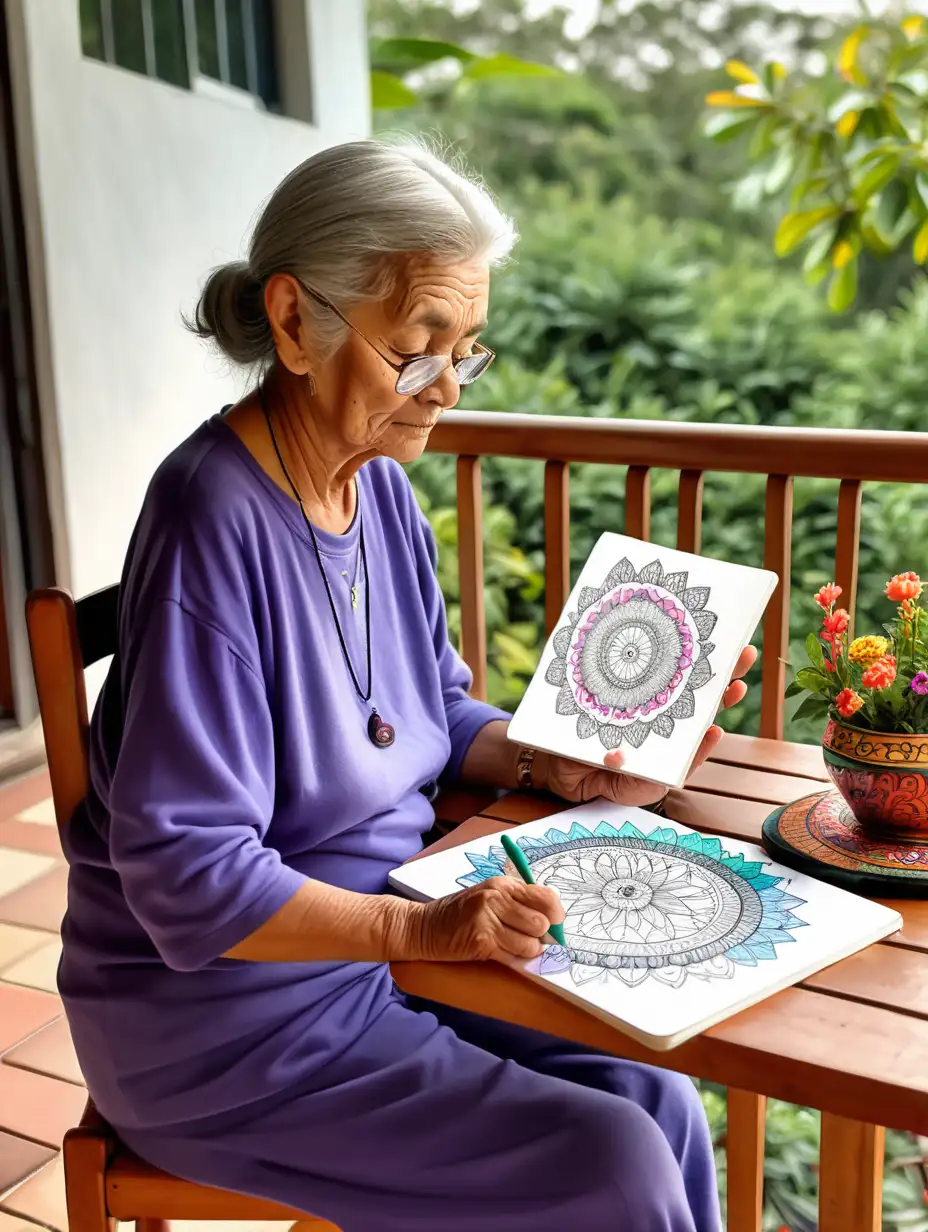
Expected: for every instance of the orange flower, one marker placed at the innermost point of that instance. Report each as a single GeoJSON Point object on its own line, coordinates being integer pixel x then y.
{"type": "Point", "coordinates": [881, 674]}
{"type": "Point", "coordinates": [828, 596]}
{"type": "Point", "coordinates": [904, 586]}
{"type": "Point", "coordinates": [848, 702]}
{"type": "Point", "coordinates": [836, 623]}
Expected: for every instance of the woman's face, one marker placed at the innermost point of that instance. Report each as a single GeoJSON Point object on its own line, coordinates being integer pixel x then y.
{"type": "Point", "coordinates": [436, 309]}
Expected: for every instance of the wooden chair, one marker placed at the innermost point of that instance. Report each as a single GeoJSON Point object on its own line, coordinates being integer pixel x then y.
{"type": "Point", "coordinates": [105, 1182]}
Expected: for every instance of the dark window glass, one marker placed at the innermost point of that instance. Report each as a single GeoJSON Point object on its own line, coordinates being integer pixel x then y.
{"type": "Point", "coordinates": [266, 54]}
{"type": "Point", "coordinates": [128, 34]}
{"type": "Point", "coordinates": [235, 33]}
{"type": "Point", "coordinates": [92, 29]}
{"type": "Point", "coordinates": [170, 41]}
{"type": "Point", "coordinates": [207, 39]}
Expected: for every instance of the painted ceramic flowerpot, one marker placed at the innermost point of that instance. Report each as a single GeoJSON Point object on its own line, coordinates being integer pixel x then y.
{"type": "Point", "coordinates": [883, 776]}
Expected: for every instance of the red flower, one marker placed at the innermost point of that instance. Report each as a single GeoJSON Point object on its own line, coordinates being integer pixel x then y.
{"type": "Point", "coordinates": [881, 674]}
{"type": "Point", "coordinates": [836, 623]}
{"type": "Point", "coordinates": [827, 596]}
{"type": "Point", "coordinates": [847, 703]}
{"type": "Point", "coordinates": [904, 586]}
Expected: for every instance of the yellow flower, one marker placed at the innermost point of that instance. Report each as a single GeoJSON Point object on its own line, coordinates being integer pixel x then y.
{"type": "Point", "coordinates": [866, 650]}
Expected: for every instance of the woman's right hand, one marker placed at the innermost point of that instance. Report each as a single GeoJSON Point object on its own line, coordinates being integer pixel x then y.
{"type": "Point", "coordinates": [501, 919]}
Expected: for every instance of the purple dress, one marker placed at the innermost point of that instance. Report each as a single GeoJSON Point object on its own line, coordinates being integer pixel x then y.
{"type": "Point", "coordinates": [230, 761]}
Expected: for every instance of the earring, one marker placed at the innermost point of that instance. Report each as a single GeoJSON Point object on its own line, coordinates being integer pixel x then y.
{"type": "Point", "coordinates": [312, 384]}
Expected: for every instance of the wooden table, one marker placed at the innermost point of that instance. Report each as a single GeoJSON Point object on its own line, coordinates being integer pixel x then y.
{"type": "Point", "coordinates": [851, 1041]}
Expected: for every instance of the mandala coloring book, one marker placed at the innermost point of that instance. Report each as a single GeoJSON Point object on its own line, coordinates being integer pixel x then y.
{"type": "Point", "coordinates": [641, 656]}
{"type": "Point", "coordinates": [668, 932]}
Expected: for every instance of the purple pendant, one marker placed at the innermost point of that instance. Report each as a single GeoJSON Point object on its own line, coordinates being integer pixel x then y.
{"type": "Point", "coordinates": [380, 733]}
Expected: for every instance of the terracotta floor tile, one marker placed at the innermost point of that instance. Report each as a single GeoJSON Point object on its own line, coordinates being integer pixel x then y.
{"type": "Point", "coordinates": [24, 793]}
{"type": "Point", "coordinates": [37, 970]}
{"type": "Point", "coordinates": [40, 904]}
{"type": "Point", "coordinates": [49, 1051]}
{"type": "Point", "coordinates": [41, 1198]}
{"type": "Point", "coordinates": [16, 943]}
{"type": "Point", "coordinates": [15, 1223]}
{"type": "Point", "coordinates": [35, 1106]}
{"type": "Point", "coordinates": [40, 814]}
{"type": "Point", "coordinates": [24, 836]}
{"type": "Point", "coordinates": [22, 1012]}
{"type": "Point", "coordinates": [19, 1159]}
{"type": "Point", "coordinates": [18, 868]}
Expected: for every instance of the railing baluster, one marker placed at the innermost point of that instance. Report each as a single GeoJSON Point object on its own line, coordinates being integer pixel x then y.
{"type": "Point", "coordinates": [470, 567]}
{"type": "Point", "coordinates": [638, 502]}
{"type": "Point", "coordinates": [557, 540]}
{"type": "Point", "coordinates": [778, 525]}
{"type": "Point", "coordinates": [689, 511]}
{"type": "Point", "coordinates": [850, 1190]}
{"type": "Point", "coordinates": [846, 555]}
{"type": "Point", "coordinates": [744, 1144]}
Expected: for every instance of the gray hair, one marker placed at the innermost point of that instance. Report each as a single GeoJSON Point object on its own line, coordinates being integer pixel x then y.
{"type": "Point", "coordinates": [335, 222]}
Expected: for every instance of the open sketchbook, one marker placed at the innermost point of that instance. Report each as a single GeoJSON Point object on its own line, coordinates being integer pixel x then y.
{"type": "Point", "coordinates": [641, 656]}
{"type": "Point", "coordinates": [668, 932]}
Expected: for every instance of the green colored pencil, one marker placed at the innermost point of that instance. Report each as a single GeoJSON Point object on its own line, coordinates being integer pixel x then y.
{"type": "Point", "coordinates": [517, 856]}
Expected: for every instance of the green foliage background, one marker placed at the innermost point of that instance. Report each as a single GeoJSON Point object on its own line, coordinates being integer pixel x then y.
{"type": "Point", "coordinates": [645, 287]}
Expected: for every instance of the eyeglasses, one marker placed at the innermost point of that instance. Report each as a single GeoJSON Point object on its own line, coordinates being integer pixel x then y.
{"type": "Point", "coordinates": [415, 374]}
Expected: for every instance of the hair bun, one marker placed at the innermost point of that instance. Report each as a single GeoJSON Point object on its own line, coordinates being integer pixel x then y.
{"type": "Point", "coordinates": [231, 313]}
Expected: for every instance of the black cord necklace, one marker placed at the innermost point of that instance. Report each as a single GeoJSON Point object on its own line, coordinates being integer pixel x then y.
{"type": "Point", "coordinates": [379, 733]}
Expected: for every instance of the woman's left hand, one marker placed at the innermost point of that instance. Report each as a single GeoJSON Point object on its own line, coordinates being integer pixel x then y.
{"type": "Point", "coordinates": [574, 781]}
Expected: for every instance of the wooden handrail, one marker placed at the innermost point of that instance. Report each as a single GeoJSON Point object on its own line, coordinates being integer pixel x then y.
{"type": "Point", "coordinates": [778, 454]}
{"type": "Point", "coordinates": [824, 453]}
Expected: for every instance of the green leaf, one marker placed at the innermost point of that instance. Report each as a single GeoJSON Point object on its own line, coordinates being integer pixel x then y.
{"type": "Point", "coordinates": [413, 53]}
{"type": "Point", "coordinates": [842, 289]}
{"type": "Point", "coordinates": [794, 228]}
{"type": "Point", "coordinates": [779, 174]}
{"type": "Point", "coordinates": [812, 681]}
{"type": "Point", "coordinates": [813, 708]}
{"type": "Point", "coordinates": [724, 126]}
{"type": "Point", "coordinates": [878, 175]}
{"type": "Point", "coordinates": [815, 652]}
{"type": "Point", "coordinates": [388, 92]}
{"type": "Point", "coordinates": [820, 250]}
{"type": "Point", "coordinates": [793, 689]}
{"type": "Point", "coordinates": [892, 206]}
{"type": "Point", "coordinates": [921, 187]}
{"type": "Point", "coordinates": [503, 65]}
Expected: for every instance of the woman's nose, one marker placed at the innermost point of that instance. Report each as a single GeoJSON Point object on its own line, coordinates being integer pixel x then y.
{"type": "Point", "coordinates": [444, 390]}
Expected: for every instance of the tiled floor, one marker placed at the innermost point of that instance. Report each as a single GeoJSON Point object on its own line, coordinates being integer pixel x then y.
{"type": "Point", "coordinates": [41, 1090]}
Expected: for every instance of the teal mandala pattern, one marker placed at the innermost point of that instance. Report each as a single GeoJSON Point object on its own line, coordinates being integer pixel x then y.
{"type": "Point", "coordinates": [662, 906]}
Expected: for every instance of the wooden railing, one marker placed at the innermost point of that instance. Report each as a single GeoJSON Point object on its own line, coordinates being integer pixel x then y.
{"type": "Point", "coordinates": [780, 454]}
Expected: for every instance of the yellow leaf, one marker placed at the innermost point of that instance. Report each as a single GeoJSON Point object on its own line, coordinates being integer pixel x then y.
{"type": "Point", "coordinates": [913, 28]}
{"type": "Point", "coordinates": [847, 125]}
{"type": "Point", "coordinates": [741, 72]}
{"type": "Point", "coordinates": [843, 253]}
{"type": "Point", "coordinates": [728, 98]}
{"type": "Point", "coordinates": [794, 228]}
{"type": "Point", "coordinates": [847, 57]}
{"type": "Point", "coordinates": [920, 247]}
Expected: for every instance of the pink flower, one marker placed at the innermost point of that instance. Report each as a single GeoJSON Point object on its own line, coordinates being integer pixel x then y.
{"type": "Point", "coordinates": [904, 586]}
{"type": "Point", "coordinates": [920, 683]}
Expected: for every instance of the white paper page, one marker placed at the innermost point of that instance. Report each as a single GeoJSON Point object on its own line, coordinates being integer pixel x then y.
{"type": "Point", "coordinates": [643, 665]}
{"type": "Point", "coordinates": [720, 924]}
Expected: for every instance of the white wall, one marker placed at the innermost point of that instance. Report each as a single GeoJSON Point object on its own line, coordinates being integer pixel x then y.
{"type": "Point", "coordinates": [133, 190]}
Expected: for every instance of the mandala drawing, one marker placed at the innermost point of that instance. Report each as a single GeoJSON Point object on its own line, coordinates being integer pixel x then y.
{"type": "Point", "coordinates": [662, 906]}
{"type": "Point", "coordinates": [629, 659]}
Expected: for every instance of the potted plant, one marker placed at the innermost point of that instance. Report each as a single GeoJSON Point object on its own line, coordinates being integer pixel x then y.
{"type": "Point", "coordinates": [873, 691]}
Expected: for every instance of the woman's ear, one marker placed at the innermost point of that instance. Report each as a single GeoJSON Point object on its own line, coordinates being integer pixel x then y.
{"type": "Point", "coordinates": [282, 303]}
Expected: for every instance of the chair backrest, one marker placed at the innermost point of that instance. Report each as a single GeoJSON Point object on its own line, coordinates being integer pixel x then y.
{"type": "Point", "coordinates": [66, 638]}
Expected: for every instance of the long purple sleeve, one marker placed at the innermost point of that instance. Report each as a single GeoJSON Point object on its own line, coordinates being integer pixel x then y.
{"type": "Point", "coordinates": [193, 794]}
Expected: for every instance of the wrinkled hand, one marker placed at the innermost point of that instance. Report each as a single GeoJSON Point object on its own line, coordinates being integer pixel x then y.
{"type": "Point", "coordinates": [501, 918]}
{"type": "Point", "coordinates": [574, 781]}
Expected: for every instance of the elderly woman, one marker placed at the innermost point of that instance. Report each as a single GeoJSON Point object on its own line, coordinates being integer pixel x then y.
{"type": "Point", "coordinates": [283, 703]}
